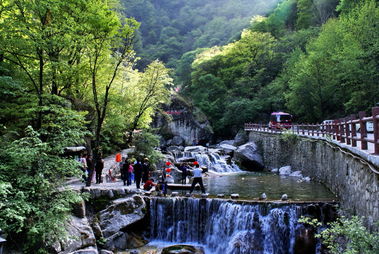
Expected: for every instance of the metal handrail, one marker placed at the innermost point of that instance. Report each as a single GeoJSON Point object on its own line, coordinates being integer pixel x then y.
{"type": "Point", "coordinates": [343, 130]}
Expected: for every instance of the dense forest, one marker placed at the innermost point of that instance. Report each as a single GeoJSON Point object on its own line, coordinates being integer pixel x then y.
{"type": "Point", "coordinates": [170, 28]}
{"type": "Point", "coordinates": [316, 59]}
{"type": "Point", "coordinates": [76, 72]}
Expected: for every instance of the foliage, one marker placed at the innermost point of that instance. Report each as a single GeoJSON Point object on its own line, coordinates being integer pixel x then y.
{"type": "Point", "coordinates": [32, 172]}
{"type": "Point", "coordinates": [171, 28]}
{"type": "Point", "coordinates": [346, 236]}
{"type": "Point", "coordinates": [153, 89]}
{"type": "Point", "coordinates": [145, 144]}
{"type": "Point", "coordinates": [336, 74]}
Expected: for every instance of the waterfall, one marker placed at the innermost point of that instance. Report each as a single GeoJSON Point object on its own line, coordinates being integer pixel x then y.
{"type": "Point", "coordinates": [225, 226]}
{"type": "Point", "coordinates": [208, 158]}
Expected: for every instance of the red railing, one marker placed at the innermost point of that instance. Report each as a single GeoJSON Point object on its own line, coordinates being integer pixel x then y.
{"type": "Point", "coordinates": [349, 130]}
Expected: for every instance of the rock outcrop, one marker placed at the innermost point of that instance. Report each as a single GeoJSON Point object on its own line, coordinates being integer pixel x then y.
{"type": "Point", "coordinates": [248, 157]}
{"type": "Point", "coordinates": [81, 238]}
{"type": "Point", "coordinates": [182, 124]}
{"type": "Point", "coordinates": [115, 220]}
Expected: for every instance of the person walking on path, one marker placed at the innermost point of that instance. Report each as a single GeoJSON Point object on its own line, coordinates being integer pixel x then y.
{"type": "Point", "coordinates": [138, 173]}
{"type": "Point", "coordinates": [129, 173]}
{"type": "Point", "coordinates": [124, 171]}
{"type": "Point", "coordinates": [197, 178]}
{"type": "Point", "coordinates": [83, 167]}
{"type": "Point", "coordinates": [90, 169]}
{"type": "Point", "coordinates": [99, 168]}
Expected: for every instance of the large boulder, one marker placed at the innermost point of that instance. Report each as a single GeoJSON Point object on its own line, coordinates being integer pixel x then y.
{"type": "Point", "coordinates": [117, 218]}
{"type": "Point", "coordinates": [80, 237]}
{"type": "Point", "coordinates": [227, 149]}
{"type": "Point", "coordinates": [248, 157]}
{"type": "Point", "coordinates": [182, 249]}
{"type": "Point", "coordinates": [122, 213]}
{"type": "Point", "coordinates": [240, 138]}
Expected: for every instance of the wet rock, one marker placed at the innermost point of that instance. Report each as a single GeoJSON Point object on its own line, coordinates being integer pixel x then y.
{"type": "Point", "coordinates": [263, 196]}
{"type": "Point", "coordinates": [122, 213]}
{"type": "Point", "coordinates": [235, 195]}
{"type": "Point", "coordinates": [174, 149]}
{"type": "Point", "coordinates": [228, 149]}
{"type": "Point", "coordinates": [220, 195]}
{"type": "Point", "coordinates": [284, 197]}
{"type": "Point", "coordinates": [296, 174]}
{"type": "Point", "coordinates": [226, 142]}
{"type": "Point", "coordinates": [204, 195]}
{"type": "Point", "coordinates": [80, 237]}
{"type": "Point", "coordinates": [240, 139]}
{"type": "Point", "coordinates": [196, 149]}
{"type": "Point", "coordinates": [177, 141]}
{"type": "Point", "coordinates": [106, 252]}
{"type": "Point", "coordinates": [174, 194]}
{"type": "Point", "coordinates": [249, 157]}
{"type": "Point", "coordinates": [182, 249]}
{"type": "Point", "coordinates": [89, 250]}
{"type": "Point", "coordinates": [123, 240]}
{"type": "Point", "coordinates": [285, 171]}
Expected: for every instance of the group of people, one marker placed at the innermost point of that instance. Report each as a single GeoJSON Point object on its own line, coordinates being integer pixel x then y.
{"type": "Point", "coordinates": [138, 171]}
{"type": "Point", "coordinates": [91, 167]}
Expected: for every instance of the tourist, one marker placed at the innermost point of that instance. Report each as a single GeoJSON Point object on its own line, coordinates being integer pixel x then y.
{"type": "Point", "coordinates": [149, 184]}
{"type": "Point", "coordinates": [138, 173]}
{"type": "Point", "coordinates": [183, 168]}
{"type": "Point", "coordinates": [129, 173]}
{"type": "Point", "coordinates": [99, 165]}
{"type": "Point", "coordinates": [197, 178]}
{"type": "Point", "coordinates": [90, 169]}
{"type": "Point", "coordinates": [124, 171]}
{"type": "Point", "coordinates": [145, 170]}
{"type": "Point", "coordinates": [83, 166]}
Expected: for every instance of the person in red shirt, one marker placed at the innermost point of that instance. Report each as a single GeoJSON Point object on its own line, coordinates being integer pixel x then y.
{"type": "Point", "coordinates": [149, 184]}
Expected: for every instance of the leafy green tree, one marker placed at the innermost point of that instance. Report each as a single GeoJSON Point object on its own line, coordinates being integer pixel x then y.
{"type": "Point", "coordinates": [153, 90]}
{"type": "Point", "coordinates": [346, 236]}
{"type": "Point", "coordinates": [32, 173]}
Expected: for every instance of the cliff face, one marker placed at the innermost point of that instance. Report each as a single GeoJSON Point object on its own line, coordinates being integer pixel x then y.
{"type": "Point", "coordinates": [182, 124]}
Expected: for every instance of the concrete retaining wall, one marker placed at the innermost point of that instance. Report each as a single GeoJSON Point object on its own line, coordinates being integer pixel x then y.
{"type": "Point", "coordinates": [346, 174]}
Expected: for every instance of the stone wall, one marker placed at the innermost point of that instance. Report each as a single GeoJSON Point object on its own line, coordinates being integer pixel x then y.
{"type": "Point", "coordinates": [344, 172]}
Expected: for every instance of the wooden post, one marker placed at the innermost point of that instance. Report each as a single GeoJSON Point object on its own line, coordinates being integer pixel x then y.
{"type": "Point", "coordinates": [342, 130]}
{"type": "Point", "coordinates": [353, 131]}
{"type": "Point", "coordinates": [363, 131]}
{"type": "Point", "coordinates": [375, 121]}
{"type": "Point", "coordinates": [347, 130]}
{"type": "Point", "coordinates": [338, 137]}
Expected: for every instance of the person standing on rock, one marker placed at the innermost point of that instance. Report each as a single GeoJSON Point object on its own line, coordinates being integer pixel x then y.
{"type": "Point", "coordinates": [183, 168]}
{"type": "Point", "coordinates": [145, 170]}
{"type": "Point", "coordinates": [138, 173]}
{"type": "Point", "coordinates": [99, 168]}
{"type": "Point", "coordinates": [197, 178]}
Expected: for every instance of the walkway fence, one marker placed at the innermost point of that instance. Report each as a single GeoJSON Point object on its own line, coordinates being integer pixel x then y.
{"type": "Point", "coordinates": [354, 130]}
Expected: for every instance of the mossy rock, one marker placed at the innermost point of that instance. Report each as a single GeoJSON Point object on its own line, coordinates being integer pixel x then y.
{"type": "Point", "coordinates": [182, 249]}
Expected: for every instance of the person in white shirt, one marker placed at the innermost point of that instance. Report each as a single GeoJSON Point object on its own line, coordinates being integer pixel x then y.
{"type": "Point", "coordinates": [197, 178]}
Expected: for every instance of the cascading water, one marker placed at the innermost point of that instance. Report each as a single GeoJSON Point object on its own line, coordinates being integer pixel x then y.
{"type": "Point", "coordinates": [226, 227]}
{"type": "Point", "coordinates": [209, 158]}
